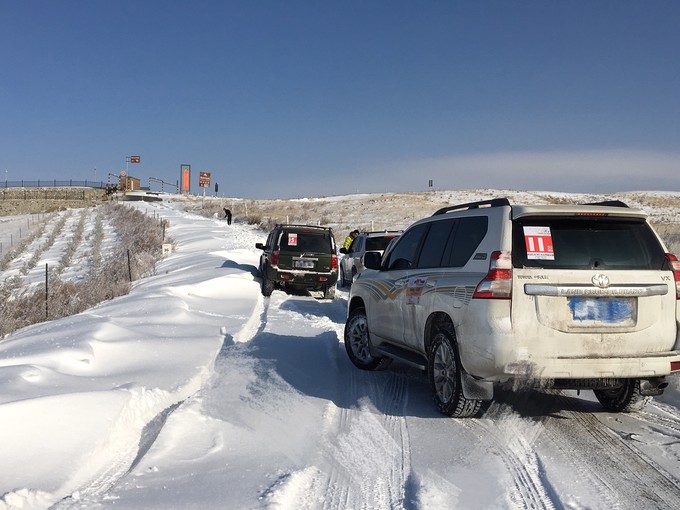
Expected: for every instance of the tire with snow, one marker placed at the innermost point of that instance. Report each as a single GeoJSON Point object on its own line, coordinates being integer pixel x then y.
{"type": "Point", "coordinates": [444, 373]}
{"type": "Point", "coordinates": [343, 278]}
{"type": "Point", "coordinates": [267, 285]}
{"type": "Point", "coordinates": [357, 343]}
{"type": "Point", "coordinates": [329, 292]}
{"type": "Point", "coordinates": [625, 399]}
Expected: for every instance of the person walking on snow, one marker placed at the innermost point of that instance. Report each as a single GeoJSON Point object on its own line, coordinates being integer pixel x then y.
{"type": "Point", "coordinates": [227, 215]}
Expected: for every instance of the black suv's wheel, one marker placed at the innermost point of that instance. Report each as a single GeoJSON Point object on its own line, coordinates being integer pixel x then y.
{"type": "Point", "coordinates": [357, 342]}
{"type": "Point", "coordinates": [267, 284]}
{"type": "Point", "coordinates": [444, 373]}
{"type": "Point", "coordinates": [625, 399]}
{"type": "Point", "coordinates": [329, 292]}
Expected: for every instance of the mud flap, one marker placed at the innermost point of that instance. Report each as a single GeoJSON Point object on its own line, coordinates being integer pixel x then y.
{"type": "Point", "coordinates": [474, 389]}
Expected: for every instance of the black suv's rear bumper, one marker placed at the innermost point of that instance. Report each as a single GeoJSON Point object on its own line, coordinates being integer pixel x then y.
{"type": "Point", "coordinates": [303, 279]}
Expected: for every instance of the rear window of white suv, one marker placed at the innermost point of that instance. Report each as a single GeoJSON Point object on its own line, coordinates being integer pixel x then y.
{"type": "Point", "coordinates": [585, 243]}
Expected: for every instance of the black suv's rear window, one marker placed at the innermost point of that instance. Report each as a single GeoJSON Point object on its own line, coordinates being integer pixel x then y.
{"type": "Point", "coordinates": [305, 241]}
{"type": "Point", "coordinates": [585, 243]}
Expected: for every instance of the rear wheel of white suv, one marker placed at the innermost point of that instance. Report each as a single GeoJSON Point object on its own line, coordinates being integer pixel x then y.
{"type": "Point", "coordinates": [625, 399]}
{"type": "Point", "coordinates": [357, 342]}
{"type": "Point", "coordinates": [445, 374]}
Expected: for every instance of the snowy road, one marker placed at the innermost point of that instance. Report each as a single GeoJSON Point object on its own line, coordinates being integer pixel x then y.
{"type": "Point", "coordinates": [292, 424]}
{"type": "Point", "coordinates": [282, 419]}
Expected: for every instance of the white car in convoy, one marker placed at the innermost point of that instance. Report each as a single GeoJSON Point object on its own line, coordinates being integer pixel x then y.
{"type": "Point", "coordinates": [557, 296]}
{"type": "Point", "coordinates": [353, 261]}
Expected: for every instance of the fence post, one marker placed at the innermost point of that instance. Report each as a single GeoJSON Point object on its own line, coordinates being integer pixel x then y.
{"type": "Point", "coordinates": [129, 265]}
{"type": "Point", "coordinates": [47, 310]}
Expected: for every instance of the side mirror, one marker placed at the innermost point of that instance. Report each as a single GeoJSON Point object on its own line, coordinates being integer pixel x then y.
{"type": "Point", "coordinates": [372, 259]}
{"type": "Point", "coordinates": [343, 250]}
{"type": "Point", "coordinates": [259, 246]}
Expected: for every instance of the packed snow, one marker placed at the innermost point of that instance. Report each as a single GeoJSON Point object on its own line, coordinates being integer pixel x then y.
{"type": "Point", "coordinates": [194, 391]}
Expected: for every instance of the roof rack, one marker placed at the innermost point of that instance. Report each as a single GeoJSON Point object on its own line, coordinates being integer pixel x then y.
{"type": "Point", "coordinates": [610, 203]}
{"type": "Point", "coordinates": [294, 225]}
{"type": "Point", "coordinates": [494, 202]}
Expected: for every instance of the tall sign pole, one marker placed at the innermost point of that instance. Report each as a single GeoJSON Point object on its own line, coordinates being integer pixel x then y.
{"type": "Point", "coordinates": [128, 160]}
{"type": "Point", "coordinates": [204, 181]}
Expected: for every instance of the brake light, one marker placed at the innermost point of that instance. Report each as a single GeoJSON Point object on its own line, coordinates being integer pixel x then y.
{"type": "Point", "coordinates": [675, 366]}
{"type": "Point", "coordinates": [275, 258]}
{"type": "Point", "coordinates": [497, 284]}
{"type": "Point", "coordinates": [675, 267]}
{"type": "Point", "coordinates": [334, 261]}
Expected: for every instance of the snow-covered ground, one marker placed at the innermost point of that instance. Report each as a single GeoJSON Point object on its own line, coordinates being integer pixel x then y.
{"type": "Point", "coordinates": [194, 391]}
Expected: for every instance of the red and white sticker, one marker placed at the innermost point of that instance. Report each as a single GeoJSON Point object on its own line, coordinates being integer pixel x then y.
{"type": "Point", "coordinates": [539, 243]}
{"type": "Point", "coordinates": [292, 239]}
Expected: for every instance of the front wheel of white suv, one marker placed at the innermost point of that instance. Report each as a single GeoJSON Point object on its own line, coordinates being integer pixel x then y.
{"type": "Point", "coordinates": [357, 342]}
{"type": "Point", "coordinates": [445, 375]}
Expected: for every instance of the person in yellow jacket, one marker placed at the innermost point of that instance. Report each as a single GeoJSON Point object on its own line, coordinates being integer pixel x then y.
{"type": "Point", "coordinates": [350, 237]}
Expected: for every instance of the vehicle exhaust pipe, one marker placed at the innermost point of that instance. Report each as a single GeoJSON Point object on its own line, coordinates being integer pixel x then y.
{"type": "Point", "coordinates": [652, 387]}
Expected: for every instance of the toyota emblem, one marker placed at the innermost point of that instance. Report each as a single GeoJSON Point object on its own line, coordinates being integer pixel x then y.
{"type": "Point", "coordinates": [600, 280]}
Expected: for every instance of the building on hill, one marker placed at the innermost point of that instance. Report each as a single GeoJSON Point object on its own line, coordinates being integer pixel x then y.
{"type": "Point", "coordinates": [129, 183]}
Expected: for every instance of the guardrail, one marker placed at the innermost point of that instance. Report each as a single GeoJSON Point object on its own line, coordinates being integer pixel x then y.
{"type": "Point", "coordinates": [53, 184]}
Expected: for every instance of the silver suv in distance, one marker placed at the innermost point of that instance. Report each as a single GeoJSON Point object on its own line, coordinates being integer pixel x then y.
{"type": "Point", "coordinates": [561, 296]}
{"type": "Point", "coordinates": [353, 261]}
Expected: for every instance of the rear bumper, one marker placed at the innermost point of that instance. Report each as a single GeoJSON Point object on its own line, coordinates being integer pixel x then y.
{"type": "Point", "coordinates": [653, 365]}
{"type": "Point", "coordinates": [305, 279]}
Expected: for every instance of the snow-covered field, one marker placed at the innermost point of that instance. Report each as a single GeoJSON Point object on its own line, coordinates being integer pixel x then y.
{"type": "Point", "coordinates": [194, 391]}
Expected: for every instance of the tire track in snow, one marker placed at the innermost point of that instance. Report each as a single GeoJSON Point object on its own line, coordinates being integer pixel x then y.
{"type": "Point", "coordinates": [513, 440]}
{"type": "Point", "coordinates": [620, 473]}
{"type": "Point", "coordinates": [365, 457]}
{"type": "Point", "coordinates": [668, 420]}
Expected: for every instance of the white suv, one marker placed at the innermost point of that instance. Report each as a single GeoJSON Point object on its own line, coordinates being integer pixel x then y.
{"type": "Point", "coordinates": [561, 296]}
{"type": "Point", "coordinates": [353, 261]}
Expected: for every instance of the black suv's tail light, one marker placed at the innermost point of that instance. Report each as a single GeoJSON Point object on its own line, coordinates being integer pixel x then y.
{"type": "Point", "coordinates": [275, 258]}
{"type": "Point", "coordinates": [334, 262]}
{"type": "Point", "coordinates": [497, 284]}
{"type": "Point", "coordinates": [674, 264]}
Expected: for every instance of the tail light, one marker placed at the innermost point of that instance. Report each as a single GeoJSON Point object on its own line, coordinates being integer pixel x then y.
{"type": "Point", "coordinates": [675, 267]}
{"type": "Point", "coordinates": [275, 258]}
{"type": "Point", "coordinates": [334, 262]}
{"type": "Point", "coordinates": [497, 284]}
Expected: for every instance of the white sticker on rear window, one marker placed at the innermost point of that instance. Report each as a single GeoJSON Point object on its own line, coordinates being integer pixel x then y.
{"type": "Point", "coordinates": [292, 239]}
{"type": "Point", "coordinates": [539, 243]}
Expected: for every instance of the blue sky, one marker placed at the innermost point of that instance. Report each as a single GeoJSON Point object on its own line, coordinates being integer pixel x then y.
{"type": "Point", "coordinates": [282, 99]}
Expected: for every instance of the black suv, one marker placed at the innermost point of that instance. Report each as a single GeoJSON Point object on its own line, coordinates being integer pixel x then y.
{"type": "Point", "coordinates": [299, 257]}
